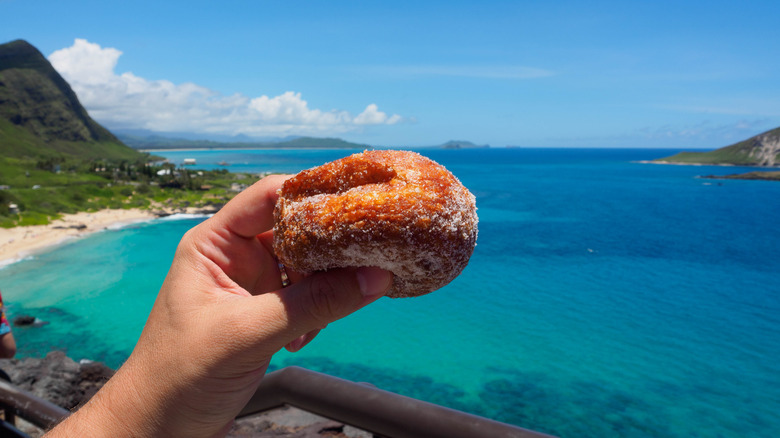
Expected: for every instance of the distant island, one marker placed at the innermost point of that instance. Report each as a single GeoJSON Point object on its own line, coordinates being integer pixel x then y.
{"type": "Point", "coordinates": [462, 144]}
{"type": "Point", "coordinates": [762, 150]}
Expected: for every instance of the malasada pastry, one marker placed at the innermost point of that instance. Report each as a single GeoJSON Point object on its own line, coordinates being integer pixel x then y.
{"type": "Point", "coordinates": [396, 210]}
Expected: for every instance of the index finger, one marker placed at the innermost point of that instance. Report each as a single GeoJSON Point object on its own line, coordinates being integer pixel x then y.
{"type": "Point", "coordinates": [251, 212]}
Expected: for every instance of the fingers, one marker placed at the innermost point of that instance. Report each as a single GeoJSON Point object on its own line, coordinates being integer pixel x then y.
{"type": "Point", "coordinates": [328, 296]}
{"type": "Point", "coordinates": [229, 239]}
{"type": "Point", "coordinates": [301, 341]}
{"type": "Point", "coordinates": [293, 315]}
{"type": "Point", "coordinates": [251, 211]}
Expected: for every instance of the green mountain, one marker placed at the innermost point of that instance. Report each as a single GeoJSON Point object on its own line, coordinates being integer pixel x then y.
{"type": "Point", "coordinates": [40, 115]}
{"type": "Point", "coordinates": [55, 159]}
{"type": "Point", "coordinates": [162, 142]}
{"type": "Point", "coordinates": [761, 150]}
{"type": "Point", "coordinates": [313, 142]}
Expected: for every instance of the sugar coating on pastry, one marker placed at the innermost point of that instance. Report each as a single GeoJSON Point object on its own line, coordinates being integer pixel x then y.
{"type": "Point", "coordinates": [396, 210]}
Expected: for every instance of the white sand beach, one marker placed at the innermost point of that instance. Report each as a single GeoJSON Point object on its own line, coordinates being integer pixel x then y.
{"type": "Point", "coordinates": [19, 242]}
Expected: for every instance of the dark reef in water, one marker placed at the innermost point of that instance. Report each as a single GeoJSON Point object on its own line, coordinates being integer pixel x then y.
{"type": "Point", "coordinates": [757, 175]}
{"type": "Point", "coordinates": [531, 400]}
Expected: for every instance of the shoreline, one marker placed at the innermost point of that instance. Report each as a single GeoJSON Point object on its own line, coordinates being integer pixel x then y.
{"type": "Point", "coordinates": [186, 149]}
{"type": "Point", "coordinates": [677, 163]}
{"type": "Point", "coordinates": [20, 242]}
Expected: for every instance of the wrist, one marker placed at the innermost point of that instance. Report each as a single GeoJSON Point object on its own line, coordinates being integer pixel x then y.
{"type": "Point", "coordinates": [104, 415]}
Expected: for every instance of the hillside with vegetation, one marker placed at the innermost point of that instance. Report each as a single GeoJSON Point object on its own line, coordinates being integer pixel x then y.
{"type": "Point", "coordinates": [152, 142]}
{"type": "Point", "coordinates": [40, 115]}
{"type": "Point", "coordinates": [760, 150]}
{"type": "Point", "coordinates": [54, 158]}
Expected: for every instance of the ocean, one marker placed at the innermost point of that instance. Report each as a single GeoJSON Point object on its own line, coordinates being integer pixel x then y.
{"type": "Point", "coordinates": [606, 297]}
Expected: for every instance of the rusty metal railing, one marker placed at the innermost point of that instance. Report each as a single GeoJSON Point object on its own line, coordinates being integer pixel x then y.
{"type": "Point", "coordinates": [374, 410]}
{"type": "Point", "coordinates": [360, 405]}
{"type": "Point", "coordinates": [41, 413]}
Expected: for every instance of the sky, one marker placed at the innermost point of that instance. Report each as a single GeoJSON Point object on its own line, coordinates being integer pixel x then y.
{"type": "Point", "coordinates": [661, 74]}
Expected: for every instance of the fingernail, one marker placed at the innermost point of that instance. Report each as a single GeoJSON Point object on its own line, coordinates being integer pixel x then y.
{"type": "Point", "coordinates": [297, 344]}
{"type": "Point", "coordinates": [373, 281]}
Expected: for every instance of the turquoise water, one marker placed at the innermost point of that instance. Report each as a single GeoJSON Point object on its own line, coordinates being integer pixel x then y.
{"type": "Point", "coordinates": [606, 297]}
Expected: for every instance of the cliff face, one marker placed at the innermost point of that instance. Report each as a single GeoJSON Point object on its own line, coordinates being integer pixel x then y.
{"type": "Point", "coordinates": [766, 147]}
{"type": "Point", "coordinates": [40, 114]}
{"type": "Point", "coordinates": [760, 150]}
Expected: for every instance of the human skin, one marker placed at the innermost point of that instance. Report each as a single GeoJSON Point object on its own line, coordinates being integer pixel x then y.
{"type": "Point", "coordinates": [7, 346]}
{"type": "Point", "coordinates": [220, 315]}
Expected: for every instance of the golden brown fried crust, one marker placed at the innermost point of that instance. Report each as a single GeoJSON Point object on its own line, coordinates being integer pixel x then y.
{"type": "Point", "coordinates": [393, 209]}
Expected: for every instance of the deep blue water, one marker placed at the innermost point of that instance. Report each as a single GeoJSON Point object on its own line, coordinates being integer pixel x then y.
{"type": "Point", "coordinates": [606, 297]}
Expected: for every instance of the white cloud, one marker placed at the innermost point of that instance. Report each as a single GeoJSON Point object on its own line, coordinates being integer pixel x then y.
{"type": "Point", "coordinates": [129, 101]}
{"type": "Point", "coordinates": [86, 61]}
{"type": "Point", "coordinates": [372, 116]}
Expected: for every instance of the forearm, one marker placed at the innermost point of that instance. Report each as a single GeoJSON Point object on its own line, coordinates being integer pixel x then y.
{"type": "Point", "coordinates": [141, 400]}
{"type": "Point", "coordinates": [110, 413]}
{"type": "Point", "coordinates": [157, 393]}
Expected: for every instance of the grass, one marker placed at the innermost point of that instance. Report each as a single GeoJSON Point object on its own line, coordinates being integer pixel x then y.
{"type": "Point", "coordinates": [743, 153]}
{"type": "Point", "coordinates": [729, 155]}
{"type": "Point", "coordinates": [55, 159]}
{"type": "Point", "coordinates": [766, 176]}
{"type": "Point", "coordinates": [44, 194]}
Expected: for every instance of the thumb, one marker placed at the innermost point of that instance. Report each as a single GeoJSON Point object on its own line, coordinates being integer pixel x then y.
{"type": "Point", "coordinates": [324, 297]}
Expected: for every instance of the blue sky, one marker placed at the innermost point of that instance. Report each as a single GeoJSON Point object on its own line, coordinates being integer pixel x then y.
{"type": "Point", "coordinates": [661, 74]}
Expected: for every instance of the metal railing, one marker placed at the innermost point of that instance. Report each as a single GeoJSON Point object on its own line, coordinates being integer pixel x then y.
{"type": "Point", "coordinates": [41, 413]}
{"type": "Point", "coordinates": [360, 405]}
{"type": "Point", "coordinates": [373, 410]}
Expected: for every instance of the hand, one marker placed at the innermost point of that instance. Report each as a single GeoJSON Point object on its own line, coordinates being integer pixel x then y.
{"type": "Point", "coordinates": [219, 317]}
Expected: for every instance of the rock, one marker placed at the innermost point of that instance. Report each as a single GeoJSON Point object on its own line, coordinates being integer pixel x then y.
{"type": "Point", "coordinates": [70, 227]}
{"type": "Point", "coordinates": [28, 321]}
{"type": "Point", "coordinates": [326, 428]}
{"type": "Point", "coordinates": [291, 422]}
{"type": "Point", "coordinates": [92, 376]}
{"type": "Point", "coordinates": [69, 384]}
{"type": "Point", "coordinates": [24, 321]}
{"type": "Point", "coordinates": [57, 378]}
